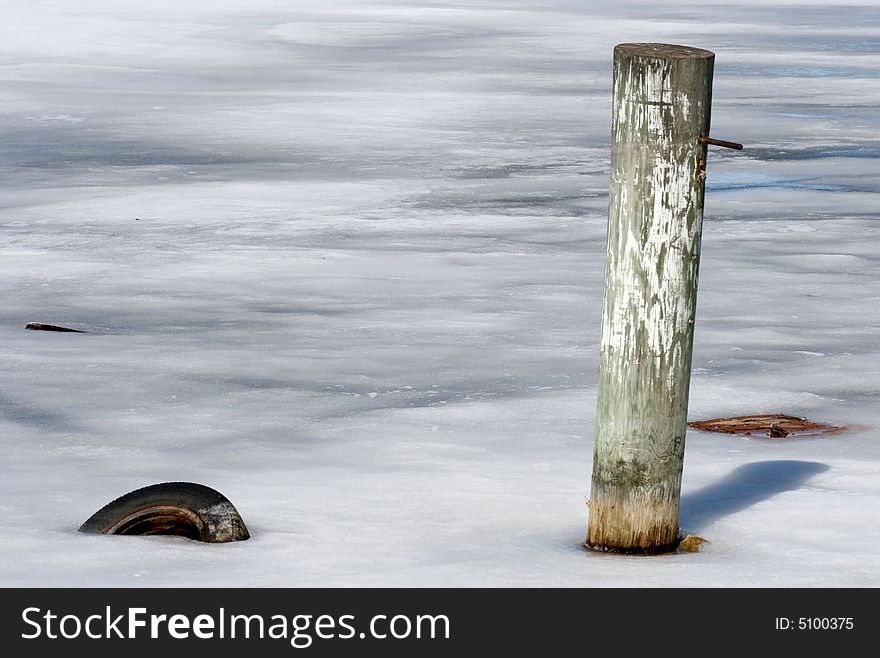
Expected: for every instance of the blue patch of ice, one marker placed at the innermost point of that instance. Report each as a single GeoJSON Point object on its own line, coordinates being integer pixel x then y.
{"type": "Point", "coordinates": [749, 180]}
{"type": "Point", "coordinates": [860, 152]}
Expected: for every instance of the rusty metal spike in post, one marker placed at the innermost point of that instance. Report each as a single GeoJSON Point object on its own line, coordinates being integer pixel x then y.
{"type": "Point", "coordinates": [720, 142]}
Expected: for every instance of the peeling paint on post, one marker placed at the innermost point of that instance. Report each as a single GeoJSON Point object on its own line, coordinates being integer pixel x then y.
{"type": "Point", "coordinates": [661, 108]}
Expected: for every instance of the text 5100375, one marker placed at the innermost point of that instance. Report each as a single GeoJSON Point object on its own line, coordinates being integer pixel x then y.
{"type": "Point", "coordinates": [814, 623]}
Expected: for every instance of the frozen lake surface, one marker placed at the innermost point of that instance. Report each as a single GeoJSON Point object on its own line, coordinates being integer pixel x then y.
{"type": "Point", "coordinates": [343, 262]}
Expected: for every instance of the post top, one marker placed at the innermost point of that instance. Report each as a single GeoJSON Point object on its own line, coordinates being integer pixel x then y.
{"type": "Point", "coordinates": [663, 51]}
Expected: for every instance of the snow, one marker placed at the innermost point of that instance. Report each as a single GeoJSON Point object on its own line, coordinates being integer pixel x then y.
{"type": "Point", "coordinates": [343, 263]}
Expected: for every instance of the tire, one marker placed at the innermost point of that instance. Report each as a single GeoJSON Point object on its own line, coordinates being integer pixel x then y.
{"type": "Point", "coordinates": [184, 509]}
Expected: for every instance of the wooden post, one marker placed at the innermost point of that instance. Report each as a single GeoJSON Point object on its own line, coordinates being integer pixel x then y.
{"type": "Point", "coordinates": [662, 102]}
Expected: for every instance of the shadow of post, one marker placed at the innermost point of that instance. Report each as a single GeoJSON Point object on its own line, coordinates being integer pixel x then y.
{"type": "Point", "coordinates": [742, 488]}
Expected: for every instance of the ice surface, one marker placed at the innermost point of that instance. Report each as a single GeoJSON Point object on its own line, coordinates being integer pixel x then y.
{"type": "Point", "coordinates": [342, 261]}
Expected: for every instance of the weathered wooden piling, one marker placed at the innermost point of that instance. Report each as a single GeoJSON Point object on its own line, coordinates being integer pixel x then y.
{"type": "Point", "coordinates": [661, 110]}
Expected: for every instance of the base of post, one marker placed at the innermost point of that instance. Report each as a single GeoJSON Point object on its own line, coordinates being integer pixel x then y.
{"type": "Point", "coordinates": [639, 550]}
{"type": "Point", "coordinates": [637, 520]}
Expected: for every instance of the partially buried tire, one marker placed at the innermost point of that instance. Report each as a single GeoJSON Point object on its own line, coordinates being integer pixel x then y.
{"type": "Point", "coordinates": [185, 509]}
